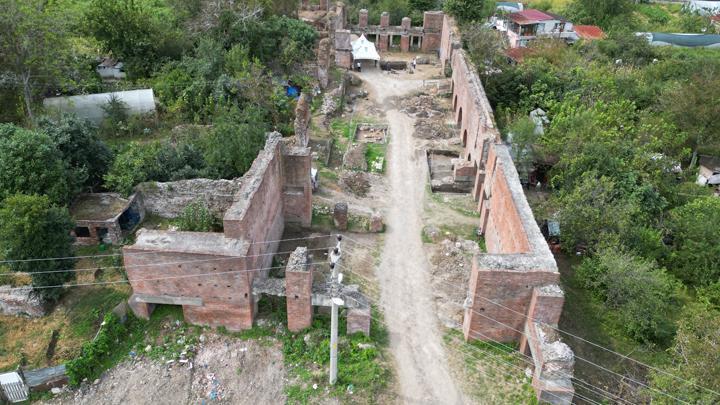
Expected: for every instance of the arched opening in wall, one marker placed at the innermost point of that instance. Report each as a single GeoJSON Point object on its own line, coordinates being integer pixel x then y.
{"type": "Point", "coordinates": [452, 89]}
{"type": "Point", "coordinates": [459, 120]}
{"type": "Point", "coordinates": [464, 139]}
{"type": "Point", "coordinates": [469, 157]}
{"type": "Point", "coordinates": [455, 103]}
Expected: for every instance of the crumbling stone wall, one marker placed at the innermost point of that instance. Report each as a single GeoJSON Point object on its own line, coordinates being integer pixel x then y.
{"type": "Point", "coordinates": [20, 301]}
{"type": "Point", "coordinates": [513, 287]}
{"type": "Point", "coordinates": [168, 200]}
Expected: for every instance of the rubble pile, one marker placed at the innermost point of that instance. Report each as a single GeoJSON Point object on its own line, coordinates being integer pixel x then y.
{"type": "Point", "coordinates": [354, 158]}
{"type": "Point", "coordinates": [357, 183]}
{"type": "Point", "coordinates": [422, 106]}
{"type": "Point", "coordinates": [432, 129]}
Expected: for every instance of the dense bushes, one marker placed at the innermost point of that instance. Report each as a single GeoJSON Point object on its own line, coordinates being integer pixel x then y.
{"type": "Point", "coordinates": [32, 227]}
{"type": "Point", "coordinates": [196, 217]}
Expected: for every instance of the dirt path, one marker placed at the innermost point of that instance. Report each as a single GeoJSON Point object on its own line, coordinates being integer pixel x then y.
{"type": "Point", "coordinates": [406, 295]}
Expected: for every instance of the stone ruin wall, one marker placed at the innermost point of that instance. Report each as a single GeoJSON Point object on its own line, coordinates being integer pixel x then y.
{"type": "Point", "coordinates": [168, 200]}
{"type": "Point", "coordinates": [279, 177]}
{"type": "Point", "coordinates": [427, 38]}
{"type": "Point", "coordinates": [513, 291]}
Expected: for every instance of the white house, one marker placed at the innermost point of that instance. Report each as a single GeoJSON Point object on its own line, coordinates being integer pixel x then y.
{"type": "Point", "coordinates": [110, 69]}
{"type": "Point", "coordinates": [527, 25]}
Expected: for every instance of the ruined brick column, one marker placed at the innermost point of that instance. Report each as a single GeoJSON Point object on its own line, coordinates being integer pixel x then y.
{"type": "Point", "coordinates": [405, 23]}
{"type": "Point", "coordinates": [324, 5]}
{"type": "Point", "coordinates": [325, 55]}
{"type": "Point", "coordinates": [404, 43]}
{"type": "Point", "coordinates": [384, 19]}
{"type": "Point", "coordinates": [545, 307]}
{"type": "Point", "coordinates": [363, 19]}
{"type": "Point", "coordinates": [383, 42]}
{"type": "Point", "coordinates": [358, 320]}
{"type": "Point", "coordinates": [298, 290]}
{"type": "Point", "coordinates": [302, 120]}
{"type": "Point", "coordinates": [340, 216]}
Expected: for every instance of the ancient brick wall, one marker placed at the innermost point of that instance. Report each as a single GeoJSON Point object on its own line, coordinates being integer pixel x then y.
{"type": "Point", "coordinates": [503, 300]}
{"type": "Point", "coordinates": [257, 216]}
{"type": "Point", "coordinates": [181, 266]}
{"type": "Point", "coordinates": [211, 274]}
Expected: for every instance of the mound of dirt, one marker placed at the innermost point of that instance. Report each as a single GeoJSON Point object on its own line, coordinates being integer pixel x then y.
{"type": "Point", "coordinates": [357, 183]}
{"type": "Point", "coordinates": [432, 129]}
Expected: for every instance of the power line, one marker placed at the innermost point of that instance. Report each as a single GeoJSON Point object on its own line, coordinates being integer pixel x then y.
{"type": "Point", "coordinates": [153, 264]}
{"type": "Point", "coordinates": [143, 253]}
{"type": "Point", "coordinates": [592, 343]}
{"type": "Point", "coordinates": [584, 384]}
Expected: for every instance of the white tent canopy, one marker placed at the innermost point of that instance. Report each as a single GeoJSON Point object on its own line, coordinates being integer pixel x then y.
{"type": "Point", "coordinates": [362, 49]}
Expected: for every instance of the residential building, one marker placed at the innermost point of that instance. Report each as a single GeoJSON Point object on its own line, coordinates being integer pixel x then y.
{"type": "Point", "coordinates": [527, 25]}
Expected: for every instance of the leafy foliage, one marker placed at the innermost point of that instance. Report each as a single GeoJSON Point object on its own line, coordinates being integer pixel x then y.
{"type": "Point", "coordinates": [31, 164]}
{"type": "Point", "coordinates": [196, 217]}
{"type": "Point", "coordinates": [469, 10]}
{"type": "Point", "coordinates": [642, 294]}
{"type": "Point", "coordinates": [695, 359]}
{"type": "Point", "coordinates": [695, 254]}
{"type": "Point", "coordinates": [78, 142]}
{"type": "Point", "coordinates": [90, 362]}
{"type": "Point", "coordinates": [31, 227]}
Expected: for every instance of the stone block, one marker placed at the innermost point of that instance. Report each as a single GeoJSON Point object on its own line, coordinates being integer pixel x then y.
{"type": "Point", "coordinates": [140, 309]}
{"type": "Point", "coordinates": [121, 311]}
{"type": "Point", "coordinates": [377, 224]}
{"type": "Point", "coordinates": [340, 216]}
{"type": "Point", "coordinates": [298, 290]}
{"type": "Point", "coordinates": [22, 301]}
{"type": "Point", "coordinates": [385, 19]}
{"type": "Point", "coordinates": [363, 18]}
{"type": "Point", "coordinates": [405, 23]}
{"type": "Point", "coordinates": [358, 320]}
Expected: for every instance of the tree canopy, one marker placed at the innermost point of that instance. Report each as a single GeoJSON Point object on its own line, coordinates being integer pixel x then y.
{"type": "Point", "coordinates": [32, 227]}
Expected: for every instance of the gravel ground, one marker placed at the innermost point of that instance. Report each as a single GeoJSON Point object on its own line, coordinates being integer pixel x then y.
{"type": "Point", "coordinates": [224, 371]}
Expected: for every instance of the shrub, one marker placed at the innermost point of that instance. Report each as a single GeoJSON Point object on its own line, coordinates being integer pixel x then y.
{"type": "Point", "coordinates": [95, 354]}
{"type": "Point", "coordinates": [196, 217]}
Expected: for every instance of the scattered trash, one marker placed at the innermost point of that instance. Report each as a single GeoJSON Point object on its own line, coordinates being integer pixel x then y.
{"type": "Point", "coordinates": [148, 348]}
{"type": "Point", "coordinates": [350, 388]}
{"type": "Point", "coordinates": [315, 386]}
{"type": "Point", "coordinates": [55, 390]}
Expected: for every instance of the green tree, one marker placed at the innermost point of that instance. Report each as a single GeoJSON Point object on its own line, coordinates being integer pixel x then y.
{"type": "Point", "coordinates": [695, 356]}
{"type": "Point", "coordinates": [80, 146]}
{"type": "Point", "coordinates": [126, 29]}
{"type": "Point", "coordinates": [695, 256]}
{"type": "Point", "coordinates": [234, 142]}
{"type": "Point", "coordinates": [693, 106]}
{"type": "Point", "coordinates": [30, 163]}
{"type": "Point", "coordinates": [485, 48]}
{"type": "Point", "coordinates": [469, 10]}
{"type": "Point", "coordinates": [33, 46]}
{"type": "Point", "coordinates": [137, 163]}
{"type": "Point", "coordinates": [642, 294]}
{"type": "Point", "coordinates": [602, 13]}
{"type": "Point", "coordinates": [31, 227]}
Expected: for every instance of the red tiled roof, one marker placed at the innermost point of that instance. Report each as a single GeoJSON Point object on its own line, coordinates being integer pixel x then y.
{"type": "Point", "coordinates": [715, 18]}
{"type": "Point", "coordinates": [531, 16]}
{"type": "Point", "coordinates": [519, 54]}
{"type": "Point", "coordinates": [589, 32]}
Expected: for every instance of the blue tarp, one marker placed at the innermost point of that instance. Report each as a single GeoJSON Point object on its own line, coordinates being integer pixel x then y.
{"type": "Point", "coordinates": [292, 91]}
{"type": "Point", "coordinates": [686, 40]}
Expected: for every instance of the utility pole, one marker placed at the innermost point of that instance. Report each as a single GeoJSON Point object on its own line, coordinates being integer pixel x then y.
{"type": "Point", "coordinates": [335, 285]}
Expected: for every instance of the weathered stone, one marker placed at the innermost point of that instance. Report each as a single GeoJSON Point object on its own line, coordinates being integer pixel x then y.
{"type": "Point", "coordinates": [121, 311]}
{"type": "Point", "coordinates": [298, 287]}
{"type": "Point", "coordinates": [302, 121]}
{"type": "Point", "coordinates": [340, 216]}
{"type": "Point", "coordinates": [168, 200]}
{"type": "Point", "coordinates": [20, 301]}
{"type": "Point", "coordinates": [376, 223]}
{"type": "Point", "coordinates": [358, 320]}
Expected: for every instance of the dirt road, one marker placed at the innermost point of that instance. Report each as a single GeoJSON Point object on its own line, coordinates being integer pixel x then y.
{"type": "Point", "coordinates": [404, 272]}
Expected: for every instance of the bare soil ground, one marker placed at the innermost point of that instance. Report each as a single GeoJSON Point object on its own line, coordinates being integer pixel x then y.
{"type": "Point", "coordinates": [404, 271]}
{"type": "Point", "coordinates": [224, 371]}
